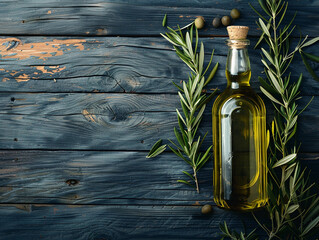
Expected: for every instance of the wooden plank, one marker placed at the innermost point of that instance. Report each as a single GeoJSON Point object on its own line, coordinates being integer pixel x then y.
{"type": "Point", "coordinates": [49, 17]}
{"type": "Point", "coordinates": [107, 121]}
{"type": "Point", "coordinates": [98, 177]}
{"type": "Point", "coordinates": [82, 222]}
{"type": "Point", "coordinates": [147, 65]}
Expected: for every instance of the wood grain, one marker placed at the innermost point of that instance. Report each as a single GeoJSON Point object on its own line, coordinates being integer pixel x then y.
{"type": "Point", "coordinates": [108, 121]}
{"type": "Point", "coordinates": [86, 222]}
{"type": "Point", "coordinates": [85, 91]}
{"type": "Point", "coordinates": [125, 17]}
{"type": "Point", "coordinates": [121, 64]}
{"type": "Point", "coordinates": [99, 177]}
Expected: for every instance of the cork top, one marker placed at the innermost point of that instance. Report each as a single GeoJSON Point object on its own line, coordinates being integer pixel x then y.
{"type": "Point", "coordinates": [237, 32]}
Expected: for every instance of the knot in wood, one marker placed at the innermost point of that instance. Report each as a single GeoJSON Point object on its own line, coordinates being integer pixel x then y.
{"type": "Point", "coordinates": [72, 182]}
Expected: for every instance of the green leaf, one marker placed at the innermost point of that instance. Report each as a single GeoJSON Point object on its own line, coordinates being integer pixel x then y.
{"type": "Point", "coordinates": [288, 173]}
{"type": "Point", "coordinates": [178, 113]}
{"type": "Point", "coordinates": [266, 86]}
{"type": "Point", "coordinates": [199, 89]}
{"type": "Point", "coordinates": [275, 82]}
{"type": "Point", "coordinates": [287, 27]}
{"type": "Point", "coordinates": [183, 99]}
{"type": "Point", "coordinates": [201, 58]}
{"type": "Point", "coordinates": [196, 39]}
{"type": "Point", "coordinates": [194, 149]}
{"type": "Point", "coordinates": [311, 56]}
{"type": "Point", "coordinates": [265, 64]}
{"type": "Point", "coordinates": [267, 55]}
{"type": "Point", "coordinates": [199, 115]}
{"type": "Point", "coordinates": [175, 36]}
{"type": "Point", "coordinates": [185, 111]}
{"type": "Point", "coordinates": [270, 96]}
{"type": "Point", "coordinates": [179, 88]}
{"type": "Point", "coordinates": [205, 155]}
{"type": "Point", "coordinates": [195, 82]}
{"type": "Point", "coordinates": [168, 39]}
{"type": "Point", "coordinates": [189, 45]}
{"type": "Point", "coordinates": [186, 94]}
{"type": "Point", "coordinates": [164, 20]}
{"type": "Point", "coordinates": [188, 174]}
{"type": "Point", "coordinates": [209, 63]}
{"type": "Point", "coordinates": [292, 123]}
{"type": "Point", "coordinates": [292, 133]}
{"type": "Point", "coordinates": [310, 226]}
{"type": "Point", "coordinates": [156, 149]}
{"type": "Point", "coordinates": [212, 74]}
{"type": "Point", "coordinates": [292, 208]}
{"type": "Point", "coordinates": [178, 153]}
{"type": "Point", "coordinates": [183, 181]}
{"type": "Point", "coordinates": [285, 160]}
{"type": "Point", "coordinates": [310, 42]}
{"type": "Point", "coordinates": [186, 26]}
{"type": "Point", "coordinates": [313, 210]}
{"type": "Point", "coordinates": [310, 70]}
{"type": "Point", "coordinates": [264, 28]}
{"type": "Point", "coordinates": [208, 99]}
{"type": "Point", "coordinates": [306, 105]}
{"type": "Point", "coordinates": [264, 7]}
{"type": "Point", "coordinates": [283, 14]}
{"type": "Point", "coordinates": [179, 137]}
{"type": "Point", "coordinates": [180, 32]}
{"type": "Point", "coordinates": [261, 16]}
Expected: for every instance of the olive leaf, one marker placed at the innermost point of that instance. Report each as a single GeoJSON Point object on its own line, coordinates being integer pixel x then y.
{"type": "Point", "coordinates": [310, 70]}
{"type": "Point", "coordinates": [310, 226]}
{"type": "Point", "coordinates": [193, 102]}
{"type": "Point", "coordinates": [233, 235]}
{"type": "Point", "coordinates": [293, 204]}
{"type": "Point", "coordinates": [164, 20]}
{"type": "Point", "coordinates": [310, 42]}
{"type": "Point", "coordinates": [157, 149]}
{"type": "Point", "coordinates": [311, 56]}
{"type": "Point", "coordinates": [285, 160]}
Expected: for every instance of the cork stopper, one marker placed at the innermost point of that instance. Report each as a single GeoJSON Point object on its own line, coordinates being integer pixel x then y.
{"type": "Point", "coordinates": [237, 36]}
{"type": "Point", "coordinates": [237, 32]}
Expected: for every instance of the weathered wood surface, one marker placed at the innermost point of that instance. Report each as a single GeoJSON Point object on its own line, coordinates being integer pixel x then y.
{"type": "Point", "coordinates": [125, 17]}
{"type": "Point", "coordinates": [99, 121]}
{"type": "Point", "coordinates": [88, 222]}
{"type": "Point", "coordinates": [81, 107]}
{"type": "Point", "coordinates": [119, 64]}
{"type": "Point", "coordinates": [99, 177]}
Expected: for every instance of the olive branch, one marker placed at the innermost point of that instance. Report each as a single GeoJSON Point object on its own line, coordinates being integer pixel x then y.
{"type": "Point", "coordinates": [193, 101]}
{"type": "Point", "coordinates": [293, 205]}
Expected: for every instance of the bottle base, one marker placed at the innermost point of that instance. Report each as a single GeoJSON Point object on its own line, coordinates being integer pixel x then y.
{"type": "Point", "coordinates": [240, 206]}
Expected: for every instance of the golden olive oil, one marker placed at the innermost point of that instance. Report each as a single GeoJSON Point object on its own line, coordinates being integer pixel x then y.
{"type": "Point", "coordinates": [239, 137]}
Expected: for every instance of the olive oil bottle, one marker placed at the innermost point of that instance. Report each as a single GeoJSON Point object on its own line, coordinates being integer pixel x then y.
{"type": "Point", "coordinates": [239, 133]}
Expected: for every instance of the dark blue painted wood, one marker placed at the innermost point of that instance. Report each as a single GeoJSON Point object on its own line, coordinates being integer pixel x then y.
{"type": "Point", "coordinates": [84, 222]}
{"type": "Point", "coordinates": [107, 100]}
{"type": "Point", "coordinates": [100, 121]}
{"type": "Point", "coordinates": [105, 178]}
{"type": "Point", "coordinates": [126, 17]}
{"type": "Point", "coordinates": [121, 64]}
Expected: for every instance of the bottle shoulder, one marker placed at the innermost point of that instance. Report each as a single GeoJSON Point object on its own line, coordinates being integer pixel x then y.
{"type": "Point", "coordinates": [245, 98]}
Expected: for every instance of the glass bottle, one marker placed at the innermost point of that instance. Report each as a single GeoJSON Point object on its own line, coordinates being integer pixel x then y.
{"type": "Point", "coordinates": [239, 133]}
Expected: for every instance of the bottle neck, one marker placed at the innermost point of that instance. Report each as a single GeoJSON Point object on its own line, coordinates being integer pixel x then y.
{"type": "Point", "coordinates": [238, 70]}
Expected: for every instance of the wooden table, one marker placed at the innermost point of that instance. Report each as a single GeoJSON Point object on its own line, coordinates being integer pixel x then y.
{"type": "Point", "coordinates": [86, 91]}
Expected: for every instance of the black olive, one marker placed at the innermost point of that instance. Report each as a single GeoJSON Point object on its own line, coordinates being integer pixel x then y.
{"type": "Point", "coordinates": [216, 22]}
{"type": "Point", "coordinates": [234, 13]}
{"type": "Point", "coordinates": [226, 21]}
{"type": "Point", "coordinates": [206, 209]}
{"type": "Point", "coordinates": [199, 22]}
